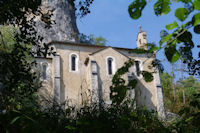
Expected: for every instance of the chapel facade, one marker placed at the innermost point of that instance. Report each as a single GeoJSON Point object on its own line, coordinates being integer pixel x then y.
{"type": "Point", "coordinates": [82, 73]}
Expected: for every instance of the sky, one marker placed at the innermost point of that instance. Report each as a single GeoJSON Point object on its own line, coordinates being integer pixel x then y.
{"type": "Point", "coordinates": [110, 19]}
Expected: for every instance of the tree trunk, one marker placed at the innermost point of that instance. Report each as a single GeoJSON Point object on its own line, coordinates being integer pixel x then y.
{"type": "Point", "coordinates": [173, 85]}
{"type": "Point", "coordinates": [182, 70]}
{"type": "Point", "coordinates": [183, 95]}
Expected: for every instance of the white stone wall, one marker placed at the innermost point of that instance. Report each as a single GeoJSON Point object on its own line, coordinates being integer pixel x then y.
{"type": "Point", "coordinates": [46, 92]}
{"type": "Point", "coordinates": [77, 86]}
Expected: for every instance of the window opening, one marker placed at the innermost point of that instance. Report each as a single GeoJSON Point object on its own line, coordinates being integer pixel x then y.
{"type": "Point", "coordinates": [137, 65]}
{"type": "Point", "coordinates": [73, 63]}
{"type": "Point", "coordinates": [110, 65]}
{"type": "Point", "coordinates": [44, 71]}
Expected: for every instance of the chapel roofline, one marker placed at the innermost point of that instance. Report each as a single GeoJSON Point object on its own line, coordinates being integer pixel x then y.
{"type": "Point", "coordinates": [97, 46]}
{"type": "Point", "coordinates": [85, 44]}
{"type": "Point", "coordinates": [111, 48]}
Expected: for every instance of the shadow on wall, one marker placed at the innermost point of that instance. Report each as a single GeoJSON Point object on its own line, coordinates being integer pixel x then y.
{"type": "Point", "coordinates": [143, 96]}
{"type": "Point", "coordinates": [62, 85]}
{"type": "Point", "coordinates": [96, 83]}
{"type": "Point", "coordinates": [100, 91]}
{"type": "Point", "coordinates": [45, 96]}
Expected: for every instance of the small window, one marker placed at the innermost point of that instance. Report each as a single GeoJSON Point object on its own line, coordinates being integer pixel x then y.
{"type": "Point", "coordinates": [44, 71]}
{"type": "Point", "coordinates": [110, 66]}
{"type": "Point", "coordinates": [140, 41]}
{"type": "Point", "coordinates": [73, 62]}
{"type": "Point", "coordinates": [137, 66]}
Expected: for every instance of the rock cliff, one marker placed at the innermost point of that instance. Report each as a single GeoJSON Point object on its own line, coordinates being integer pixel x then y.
{"type": "Point", "coordinates": [65, 28]}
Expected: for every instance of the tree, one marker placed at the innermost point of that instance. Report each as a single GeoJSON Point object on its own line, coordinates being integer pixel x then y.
{"type": "Point", "coordinates": [7, 38]}
{"type": "Point", "coordinates": [172, 80]}
{"type": "Point", "coordinates": [99, 40]}
{"type": "Point", "coordinates": [16, 77]}
{"type": "Point", "coordinates": [190, 85]}
{"type": "Point", "coordinates": [91, 39]}
{"type": "Point", "coordinates": [176, 40]}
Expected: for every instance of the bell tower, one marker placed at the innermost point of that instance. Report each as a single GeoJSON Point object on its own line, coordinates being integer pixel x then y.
{"type": "Point", "coordinates": [141, 39]}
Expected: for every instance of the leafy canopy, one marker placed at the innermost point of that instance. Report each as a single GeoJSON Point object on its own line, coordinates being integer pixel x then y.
{"type": "Point", "coordinates": [176, 39]}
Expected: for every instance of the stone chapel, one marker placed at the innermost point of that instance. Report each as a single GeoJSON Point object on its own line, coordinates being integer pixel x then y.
{"type": "Point", "coordinates": [82, 73]}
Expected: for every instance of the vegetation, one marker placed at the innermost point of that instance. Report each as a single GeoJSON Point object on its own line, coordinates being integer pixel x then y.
{"type": "Point", "coordinates": [176, 39]}
{"type": "Point", "coordinates": [92, 40]}
{"type": "Point", "coordinates": [89, 119]}
{"type": "Point", "coordinates": [21, 112]}
{"type": "Point", "coordinates": [191, 87]}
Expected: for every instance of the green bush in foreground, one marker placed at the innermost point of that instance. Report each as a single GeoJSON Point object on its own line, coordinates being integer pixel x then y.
{"type": "Point", "coordinates": [97, 119]}
{"type": "Point", "coordinates": [88, 119]}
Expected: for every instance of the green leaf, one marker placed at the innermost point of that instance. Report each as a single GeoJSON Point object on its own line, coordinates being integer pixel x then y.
{"type": "Point", "coordinates": [185, 1]}
{"type": "Point", "coordinates": [189, 119]}
{"type": "Point", "coordinates": [14, 120]}
{"type": "Point", "coordinates": [196, 19]}
{"type": "Point", "coordinates": [148, 77]}
{"type": "Point", "coordinates": [197, 29]}
{"type": "Point", "coordinates": [162, 7]}
{"type": "Point", "coordinates": [135, 8]}
{"type": "Point", "coordinates": [153, 49]}
{"type": "Point", "coordinates": [196, 4]}
{"type": "Point", "coordinates": [172, 26]}
{"type": "Point", "coordinates": [166, 39]}
{"type": "Point", "coordinates": [175, 57]}
{"type": "Point", "coordinates": [186, 36]}
{"type": "Point", "coordinates": [181, 13]}
{"type": "Point", "coordinates": [170, 52]}
{"type": "Point", "coordinates": [70, 127]}
{"type": "Point", "coordinates": [132, 84]}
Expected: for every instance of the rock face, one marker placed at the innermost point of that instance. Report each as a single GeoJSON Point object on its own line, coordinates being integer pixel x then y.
{"type": "Point", "coordinates": [65, 28]}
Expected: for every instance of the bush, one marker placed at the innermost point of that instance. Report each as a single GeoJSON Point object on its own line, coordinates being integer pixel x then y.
{"type": "Point", "coordinates": [88, 119]}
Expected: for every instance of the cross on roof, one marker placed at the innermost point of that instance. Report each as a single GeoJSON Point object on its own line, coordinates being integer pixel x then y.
{"type": "Point", "coordinates": [140, 28]}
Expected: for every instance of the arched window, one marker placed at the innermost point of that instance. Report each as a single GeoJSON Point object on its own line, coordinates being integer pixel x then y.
{"type": "Point", "coordinates": [140, 41]}
{"type": "Point", "coordinates": [44, 71]}
{"type": "Point", "coordinates": [73, 63]}
{"type": "Point", "coordinates": [137, 67]}
{"type": "Point", "coordinates": [110, 66]}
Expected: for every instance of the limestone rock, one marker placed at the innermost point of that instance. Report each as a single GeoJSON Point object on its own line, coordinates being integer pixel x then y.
{"type": "Point", "coordinates": [65, 28]}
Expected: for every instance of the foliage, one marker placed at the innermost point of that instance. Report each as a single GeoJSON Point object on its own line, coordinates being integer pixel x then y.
{"type": "Point", "coordinates": [88, 119]}
{"type": "Point", "coordinates": [83, 6]}
{"type": "Point", "coordinates": [135, 8]}
{"type": "Point", "coordinates": [92, 40]}
{"type": "Point", "coordinates": [176, 40]}
{"type": "Point", "coordinates": [190, 111]}
{"type": "Point", "coordinates": [85, 39]}
{"type": "Point", "coordinates": [119, 88]}
{"type": "Point", "coordinates": [19, 83]}
{"type": "Point", "coordinates": [158, 65]}
{"type": "Point", "coordinates": [19, 110]}
{"type": "Point", "coordinates": [190, 116]}
{"type": "Point", "coordinates": [99, 40]}
{"type": "Point", "coordinates": [148, 77]}
{"type": "Point", "coordinates": [17, 80]}
{"type": "Point", "coordinates": [190, 85]}
{"type": "Point", "coordinates": [7, 38]}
